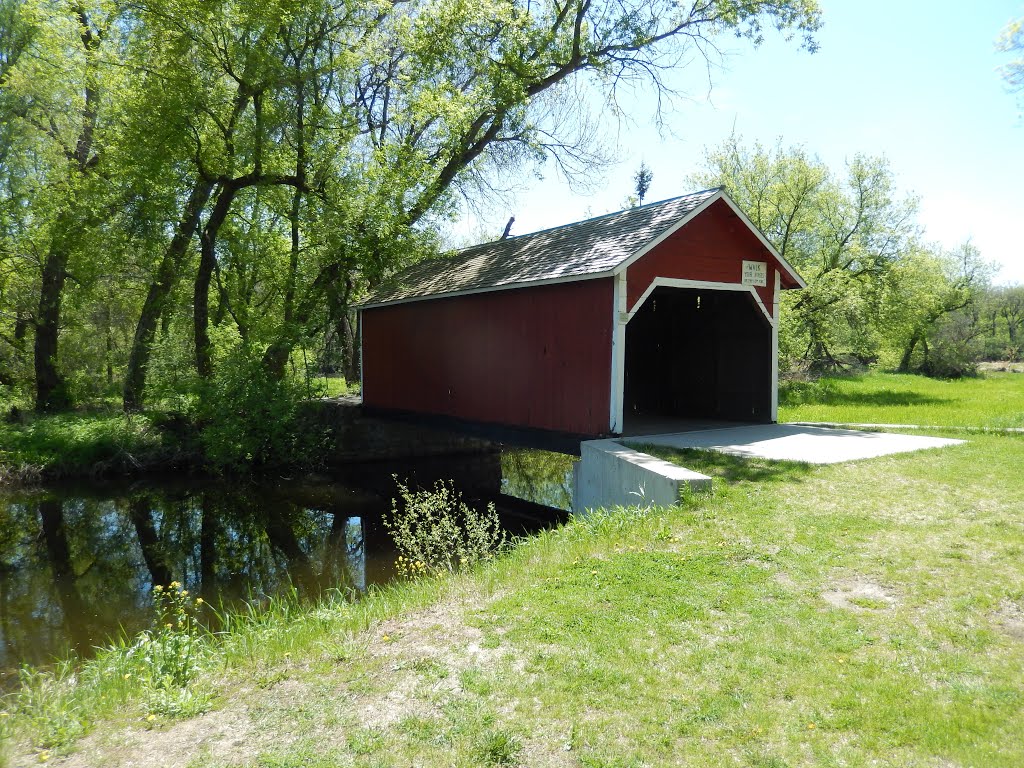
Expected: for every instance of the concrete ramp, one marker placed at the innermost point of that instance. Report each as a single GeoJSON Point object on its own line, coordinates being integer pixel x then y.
{"type": "Point", "coordinates": [793, 442]}
{"type": "Point", "coordinates": [611, 473]}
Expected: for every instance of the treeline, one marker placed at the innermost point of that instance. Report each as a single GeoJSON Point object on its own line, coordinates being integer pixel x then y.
{"type": "Point", "coordinates": [194, 190]}
{"type": "Point", "coordinates": [195, 193]}
{"type": "Point", "coordinates": [878, 292]}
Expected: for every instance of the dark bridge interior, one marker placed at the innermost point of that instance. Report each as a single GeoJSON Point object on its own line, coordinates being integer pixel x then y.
{"type": "Point", "coordinates": [698, 354]}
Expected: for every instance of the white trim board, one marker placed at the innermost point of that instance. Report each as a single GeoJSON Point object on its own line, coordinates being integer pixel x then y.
{"type": "Point", "coordinates": [764, 241]}
{"type": "Point", "coordinates": [618, 371]}
{"type": "Point", "coordinates": [720, 195]}
{"type": "Point", "coordinates": [650, 245]}
{"type": "Point", "coordinates": [775, 350]}
{"type": "Point", "coordinates": [674, 282]}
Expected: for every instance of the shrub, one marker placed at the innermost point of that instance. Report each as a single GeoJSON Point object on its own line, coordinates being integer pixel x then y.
{"type": "Point", "coordinates": [249, 418]}
{"type": "Point", "coordinates": [436, 532]}
{"type": "Point", "coordinates": [954, 351]}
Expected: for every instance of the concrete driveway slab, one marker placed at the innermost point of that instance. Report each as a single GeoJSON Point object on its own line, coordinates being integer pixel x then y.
{"type": "Point", "coordinates": [792, 442]}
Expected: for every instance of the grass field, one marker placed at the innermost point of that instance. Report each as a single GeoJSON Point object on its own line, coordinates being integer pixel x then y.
{"type": "Point", "coordinates": [869, 613]}
{"type": "Point", "coordinates": [995, 399]}
{"type": "Point", "coordinates": [77, 444]}
{"type": "Point", "coordinates": [333, 386]}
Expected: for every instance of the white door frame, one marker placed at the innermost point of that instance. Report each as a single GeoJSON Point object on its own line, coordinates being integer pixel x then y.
{"type": "Point", "coordinates": [621, 315]}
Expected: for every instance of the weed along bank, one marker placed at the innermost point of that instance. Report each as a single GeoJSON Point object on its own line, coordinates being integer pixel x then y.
{"type": "Point", "coordinates": [604, 327]}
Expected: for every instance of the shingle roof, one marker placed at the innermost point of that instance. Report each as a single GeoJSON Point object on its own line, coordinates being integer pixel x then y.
{"type": "Point", "coordinates": [586, 248]}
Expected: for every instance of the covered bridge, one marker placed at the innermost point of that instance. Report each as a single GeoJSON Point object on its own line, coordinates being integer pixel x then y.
{"type": "Point", "coordinates": [666, 311]}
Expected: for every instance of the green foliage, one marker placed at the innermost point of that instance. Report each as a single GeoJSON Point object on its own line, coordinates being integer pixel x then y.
{"type": "Point", "coordinates": [954, 350]}
{"type": "Point", "coordinates": [1012, 41]}
{"type": "Point", "coordinates": [306, 151]}
{"type": "Point", "coordinates": [436, 532]}
{"type": "Point", "coordinates": [81, 443]}
{"type": "Point", "coordinates": [250, 418]}
{"type": "Point", "coordinates": [642, 182]}
{"type": "Point", "coordinates": [169, 651]}
{"type": "Point", "coordinates": [875, 291]}
{"type": "Point", "coordinates": [54, 720]}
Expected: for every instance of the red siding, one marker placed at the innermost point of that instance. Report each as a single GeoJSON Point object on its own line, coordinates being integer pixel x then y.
{"type": "Point", "coordinates": [526, 357]}
{"type": "Point", "coordinates": [712, 247]}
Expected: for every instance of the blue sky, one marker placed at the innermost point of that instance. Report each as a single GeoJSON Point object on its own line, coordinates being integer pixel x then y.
{"type": "Point", "coordinates": [914, 80]}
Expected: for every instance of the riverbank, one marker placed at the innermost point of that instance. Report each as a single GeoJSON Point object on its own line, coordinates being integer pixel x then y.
{"type": "Point", "coordinates": [92, 444]}
{"type": "Point", "coordinates": [782, 621]}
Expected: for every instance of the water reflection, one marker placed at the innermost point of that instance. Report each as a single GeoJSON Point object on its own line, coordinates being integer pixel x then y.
{"type": "Point", "coordinates": [74, 568]}
{"type": "Point", "coordinates": [541, 477]}
{"type": "Point", "coordinates": [78, 564]}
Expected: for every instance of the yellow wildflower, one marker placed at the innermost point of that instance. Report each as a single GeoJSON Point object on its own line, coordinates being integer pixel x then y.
{"type": "Point", "coordinates": [151, 718]}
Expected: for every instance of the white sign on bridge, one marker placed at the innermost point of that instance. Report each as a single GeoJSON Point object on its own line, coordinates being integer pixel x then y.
{"type": "Point", "coordinates": [755, 273]}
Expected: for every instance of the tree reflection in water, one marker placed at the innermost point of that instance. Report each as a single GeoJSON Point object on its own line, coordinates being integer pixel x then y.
{"type": "Point", "coordinates": [76, 569]}
{"type": "Point", "coordinates": [78, 565]}
{"type": "Point", "coordinates": [542, 477]}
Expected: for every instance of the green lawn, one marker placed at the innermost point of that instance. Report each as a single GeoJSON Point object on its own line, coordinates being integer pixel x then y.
{"type": "Point", "coordinates": [333, 386]}
{"type": "Point", "coordinates": [992, 400]}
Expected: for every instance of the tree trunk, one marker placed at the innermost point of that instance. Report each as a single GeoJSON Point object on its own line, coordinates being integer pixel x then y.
{"type": "Point", "coordinates": [51, 517]}
{"type": "Point", "coordinates": [51, 391]}
{"type": "Point", "coordinates": [140, 512]}
{"type": "Point", "coordinates": [204, 276]}
{"type": "Point", "coordinates": [349, 334]}
{"type": "Point", "coordinates": [159, 292]}
{"type": "Point", "coordinates": [908, 354]}
{"type": "Point", "coordinates": [109, 340]}
{"type": "Point", "coordinates": [276, 357]}
{"type": "Point", "coordinates": [323, 288]}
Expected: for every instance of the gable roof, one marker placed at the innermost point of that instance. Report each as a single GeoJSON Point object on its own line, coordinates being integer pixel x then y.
{"type": "Point", "coordinates": [597, 247]}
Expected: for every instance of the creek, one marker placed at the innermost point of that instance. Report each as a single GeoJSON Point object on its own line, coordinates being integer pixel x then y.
{"type": "Point", "coordinates": [78, 561]}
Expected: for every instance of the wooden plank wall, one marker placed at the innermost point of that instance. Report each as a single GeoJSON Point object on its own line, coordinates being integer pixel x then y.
{"type": "Point", "coordinates": [527, 357]}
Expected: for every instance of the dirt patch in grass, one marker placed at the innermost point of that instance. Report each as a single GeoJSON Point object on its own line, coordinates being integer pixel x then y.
{"type": "Point", "coordinates": [859, 595]}
{"type": "Point", "coordinates": [1010, 617]}
{"type": "Point", "coordinates": [226, 735]}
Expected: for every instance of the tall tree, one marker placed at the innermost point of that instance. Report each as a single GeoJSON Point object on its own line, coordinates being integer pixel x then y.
{"type": "Point", "coordinates": [55, 88]}
{"type": "Point", "coordinates": [642, 182]}
{"type": "Point", "coordinates": [842, 234]}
